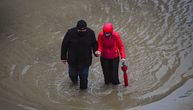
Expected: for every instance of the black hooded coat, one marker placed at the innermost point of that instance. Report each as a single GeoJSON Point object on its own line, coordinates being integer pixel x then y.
{"type": "Point", "coordinates": [77, 47]}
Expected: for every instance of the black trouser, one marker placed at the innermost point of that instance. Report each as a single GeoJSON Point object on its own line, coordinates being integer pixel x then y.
{"type": "Point", "coordinates": [74, 72]}
{"type": "Point", "coordinates": [110, 70]}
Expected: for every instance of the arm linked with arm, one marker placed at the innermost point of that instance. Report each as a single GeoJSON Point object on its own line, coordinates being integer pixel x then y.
{"type": "Point", "coordinates": [94, 44]}
{"type": "Point", "coordinates": [100, 42]}
{"type": "Point", "coordinates": [98, 52]}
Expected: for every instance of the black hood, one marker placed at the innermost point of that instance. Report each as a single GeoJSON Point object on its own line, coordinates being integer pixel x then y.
{"type": "Point", "coordinates": [81, 24]}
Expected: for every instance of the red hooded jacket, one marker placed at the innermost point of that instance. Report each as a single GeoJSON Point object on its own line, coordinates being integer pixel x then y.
{"type": "Point", "coordinates": [110, 47]}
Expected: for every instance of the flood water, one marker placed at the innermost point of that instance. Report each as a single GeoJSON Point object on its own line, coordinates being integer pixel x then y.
{"type": "Point", "coordinates": [158, 40]}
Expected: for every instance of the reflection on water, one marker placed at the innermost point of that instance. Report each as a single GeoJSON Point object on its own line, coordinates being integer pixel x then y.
{"type": "Point", "coordinates": [157, 35]}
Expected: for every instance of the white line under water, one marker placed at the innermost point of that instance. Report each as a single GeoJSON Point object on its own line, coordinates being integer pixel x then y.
{"type": "Point", "coordinates": [12, 70]}
{"type": "Point", "coordinates": [26, 68]}
{"type": "Point", "coordinates": [27, 107]}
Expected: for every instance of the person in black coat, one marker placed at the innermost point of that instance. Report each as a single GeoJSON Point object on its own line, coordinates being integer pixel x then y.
{"type": "Point", "coordinates": [77, 47]}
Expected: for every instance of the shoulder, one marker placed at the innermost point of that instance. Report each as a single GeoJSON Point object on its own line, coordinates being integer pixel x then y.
{"type": "Point", "coordinates": [72, 30]}
{"type": "Point", "coordinates": [89, 30]}
{"type": "Point", "coordinates": [116, 34]}
{"type": "Point", "coordinates": [101, 33]}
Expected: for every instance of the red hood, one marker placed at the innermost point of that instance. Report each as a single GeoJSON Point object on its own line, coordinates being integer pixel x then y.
{"type": "Point", "coordinates": [108, 27]}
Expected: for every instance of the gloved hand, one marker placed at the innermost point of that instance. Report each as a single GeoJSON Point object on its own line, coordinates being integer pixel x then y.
{"type": "Point", "coordinates": [64, 61]}
{"type": "Point", "coordinates": [123, 61]}
{"type": "Point", "coordinates": [97, 53]}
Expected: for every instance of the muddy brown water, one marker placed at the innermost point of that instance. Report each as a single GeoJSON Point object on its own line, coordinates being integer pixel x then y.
{"type": "Point", "coordinates": [158, 39]}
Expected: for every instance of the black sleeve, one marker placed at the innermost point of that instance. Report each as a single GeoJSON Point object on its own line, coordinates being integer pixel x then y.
{"type": "Point", "coordinates": [94, 44]}
{"type": "Point", "coordinates": [64, 47]}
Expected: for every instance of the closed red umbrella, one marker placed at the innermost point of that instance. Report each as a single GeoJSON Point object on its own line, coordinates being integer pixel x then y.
{"type": "Point", "coordinates": [125, 75]}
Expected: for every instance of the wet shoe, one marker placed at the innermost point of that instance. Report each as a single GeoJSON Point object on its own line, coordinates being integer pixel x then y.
{"type": "Point", "coordinates": [83, 88]}
{"type": "Point", "coordinates": [74, 82]}
{"type": "Point", "coordinates": [115, 83]}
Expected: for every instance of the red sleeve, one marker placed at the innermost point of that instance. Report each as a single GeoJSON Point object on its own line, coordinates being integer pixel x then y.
{"type": "Point", "coordinates": [100, 41]}
{"type": "Point", "coordinates": [120, 45]}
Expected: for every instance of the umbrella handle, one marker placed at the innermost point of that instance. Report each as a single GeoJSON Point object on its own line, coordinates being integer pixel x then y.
{"type": "Point", "coordinates": [123, 63]}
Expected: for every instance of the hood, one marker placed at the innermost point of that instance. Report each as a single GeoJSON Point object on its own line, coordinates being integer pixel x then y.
{"type": "Point", "coordinates": [81, 24]}
{"type": "Point", "coordinates": [108, 27]}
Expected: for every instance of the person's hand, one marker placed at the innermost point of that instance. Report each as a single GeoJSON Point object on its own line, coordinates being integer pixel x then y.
{"type": "Point", "coordinates": [97, 53]}
{"type": "Point", "coordinates": [123, 61]}
{"type": "Point", "coordinates": [64, 61]}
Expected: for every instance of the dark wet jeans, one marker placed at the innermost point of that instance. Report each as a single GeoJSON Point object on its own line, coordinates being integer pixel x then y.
{"type": "Point", "coordinates": [74, 72]}
{"type": "Point", "coordinates": [110, 70]}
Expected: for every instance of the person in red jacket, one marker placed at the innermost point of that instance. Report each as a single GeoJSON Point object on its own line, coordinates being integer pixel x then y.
{"type": "Point", "coordinates": [109, 48]}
